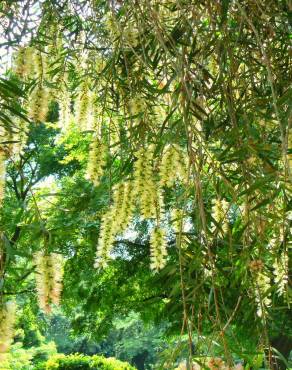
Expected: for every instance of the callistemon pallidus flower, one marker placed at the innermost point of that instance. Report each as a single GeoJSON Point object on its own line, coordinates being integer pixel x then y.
{"type": "Point", "coordinates": [158, 251]}
{"type": "Point", "coordinates": [136, 106]}
{"type": "Point", "coordinates": [219, 213]}
{"type": "Point", "coordinates": [96, 161]}
{"type": "Point", "coordinates": [84, 107]}
{"type": "Point", "coordinates": [7, 320]}
{"type": "Point", "coordinates": [24, 62]}
{"type": "Point", "coordinates": [64, 102]}
{"type": "Point", "coordinates": [173, 166]}
{"type": "Point", "coordinates": [49, 274]}
{"type": "Point", "coordinates": [115, 221]}
{"type": "Point", "coordinates": [146, 187]}
{"type": "Point", "coordinates": [2, 174]}
{"type": "Point", "coordinates": [263, 284]}
{"type": "Point", "coordinates": [38, 103]}
{"type": "Point", "coordinates": [281, 272]}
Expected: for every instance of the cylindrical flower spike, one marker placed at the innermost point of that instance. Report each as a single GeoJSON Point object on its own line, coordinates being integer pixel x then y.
{"type": "Point", "coordinates": [280, 266]}
{"type": "Point", "coordinates": [219, 213]}
{"type": "Point", "coordinates": [115, 221]}
{"type": "Point", "coordinates": [96, 161]}
{"type": "Point", "coordinates": [49, 275]}
{"type": "Point", "coordinates": [7, 319]}
{"type": "Point", "coordinates": [39, 103]}
{"type": "Point", "coordinates": [146, 187]}
{"type": "Point", "coordinates": [2, 174]}
{"type": "Point", "coordinates": [158, 249]}
{"type": "Point", "coordinates": [173, 166]}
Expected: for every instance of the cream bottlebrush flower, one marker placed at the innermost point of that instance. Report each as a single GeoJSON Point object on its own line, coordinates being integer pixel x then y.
{"type": "Point", "coordinates": [146, 188]}
{"type": "Point", "coordinates": [158, 249]}
{"type": "Point", "coordinates": [114, 222]}
{"type": "Point", "coordinates": [7, 320]}
{"type": "Point", "coordinates": [106, 240]}
{"type": "Point", "coordinates": [24, 62]}
{"type": "Point", "coordinates": [137, 106]}
{"type": "Point", "coordinates": [57, 278]}
{"type": "Point", "coordinates": [263, 300]}
{"type": "Point", "coordinates": [173, 166]}
{"type": "Point", "coordinates": [96, 161]}
{"type": "Point", "coordinates": [84, 107]}
{"type": "Point", "coordinates": [38, 104]}
{"type": "Point", "coordinates": [131, 36]}
{"type": "Point", "coordinates": [219, 213]}
{"type": "Point", "coordinates": [49, 272]}
{"type": "Point", "coordinates": [113, 28]}
{"type": "Point", "coordinates": [124, 205]}
{"type": "Point", "coordinates": [40, 64]}
{"type": "Point", "coordinates": [280, 266]}
{"type": "Point", "coordinates": [64, 101]}
{"type": "Point", "coordinates": [2, 174]}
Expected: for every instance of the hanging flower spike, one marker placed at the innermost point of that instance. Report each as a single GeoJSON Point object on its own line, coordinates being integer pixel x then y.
{"type": "Point", "coordinates": [115, 221]}
{"type": "Point", "coordinates": [147, 190]}
{"type": "Point", "coordinates": [219, 213]}
{"type": "Point", "coordinates": [7, 320]}
{"type": "Point", "coordinates": [2, 174]}
{"type": "Point", "coordinates": [173, 166]}
{"type": "Point", "coordinates": [158, 249]}
{"type": "Point", "coordinates": [48, 279]}
{"type": "Point", "coordinates": [39, 103]}
{"type": "Point", "coordinates": [96, 161]}
{"type": "Point", "coordinates": [24, 62]}
{"type": "Point", "coordinates": [281, 273]}
{"type": "Point", "coordinates": [263, 284]}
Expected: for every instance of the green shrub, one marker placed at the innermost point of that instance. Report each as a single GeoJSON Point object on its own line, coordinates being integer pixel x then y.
{"type": "Point", "coordinates": [43, 352]}
{"type": "Point", "coordinates": [78, 361]}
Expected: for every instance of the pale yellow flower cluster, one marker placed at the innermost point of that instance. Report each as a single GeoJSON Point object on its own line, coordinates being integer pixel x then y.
{"type": "Point", "coordinates": [173, 166]}
{"type": "Point", "coordinates": [2, 174]}
{"type": "Point", "coordinates": [32, 63]}
{"type": "Point", "coordinates": [24, 66]}
{"type": "Point", "coordinates": [64, 102]}
{"type": "Point", "coordinates": [131, 36]}
{"type": "Point", "coordinates": [137, 106]}
{"type": "Point", "coordinates": [96, 160]}
{"type": "Point", "coordinates": [49, 275]}
{"type": "Point", "coordinates": [219, 213]}
{"type": "Point", "coordinates": [280, 266]}
{"type": "Point", "coordinates": [84, 107]}
{"type": "Point", "coordinates": [13, 143]}
{"type": "Point", "coordinates": [158, 251]}
{"type": "Point", "coordinates": [146, 188]}
{"type": "Point", "coordinates": [263, 300]}
{"type": "Point", "coordinates": [115, 221]}
{"type": "Point", "coordinates": [7, 320]}
{"type": "Point", "coordinates": [39, 103]}
{"type": "Point", "coordinates": [40, 64]}
{"type": "Point", "coordinates": [129, 33]}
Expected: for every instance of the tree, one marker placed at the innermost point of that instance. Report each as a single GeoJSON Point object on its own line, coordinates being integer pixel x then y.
{"type": "Point", "coordinates": [169, 144]}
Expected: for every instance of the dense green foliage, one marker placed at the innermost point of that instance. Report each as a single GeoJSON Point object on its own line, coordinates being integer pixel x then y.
{"type": "Point", "coordinates": [148, 145]}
